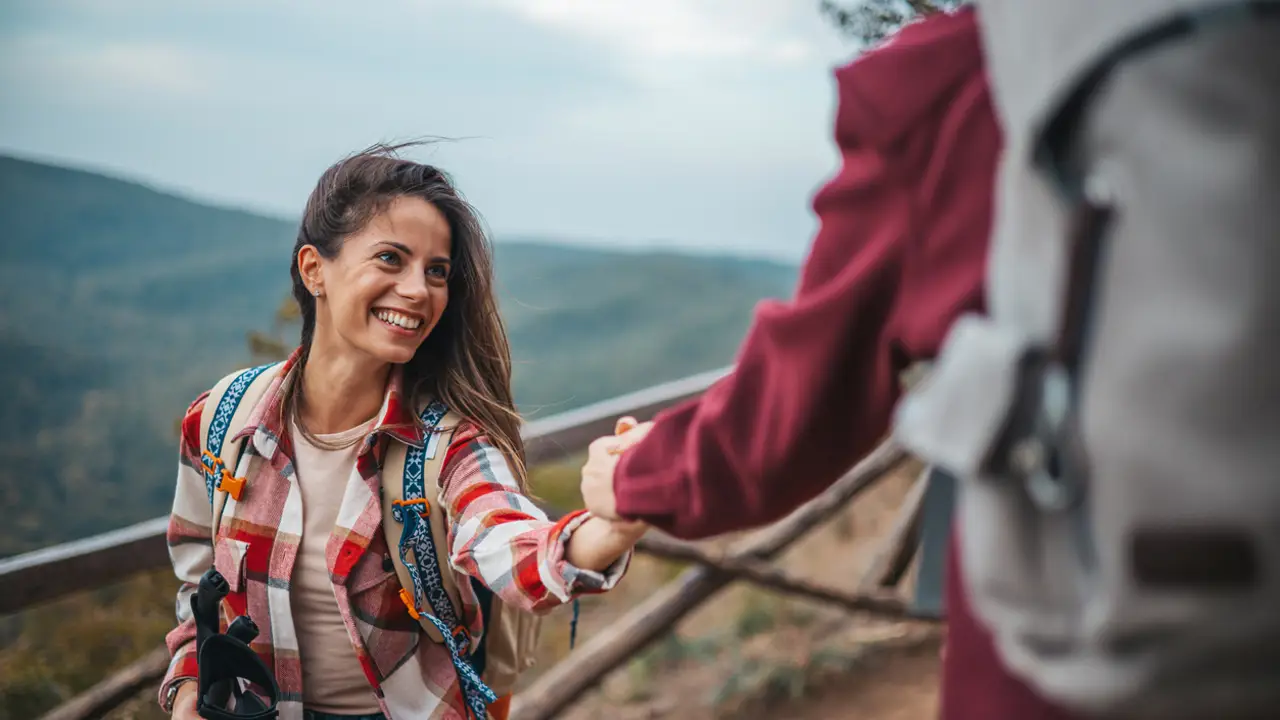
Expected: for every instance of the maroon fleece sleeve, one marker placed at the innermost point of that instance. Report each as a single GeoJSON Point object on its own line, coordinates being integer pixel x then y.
{"type": "Point", "coordinates": [813, 384]}
{"type": "Point", "coordinates": [900, 252]}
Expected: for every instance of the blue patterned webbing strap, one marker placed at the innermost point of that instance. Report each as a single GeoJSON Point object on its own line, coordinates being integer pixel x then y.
{"type": "Point", "coordinates": [425, 572]}
{"type": "Point", "coordinates": [222, 422]}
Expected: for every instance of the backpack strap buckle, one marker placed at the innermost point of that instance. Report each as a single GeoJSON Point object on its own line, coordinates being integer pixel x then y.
{"type": "Point", "coordinates": [231, 485]}
{"type": "Point", "coordinates": [226, 481]}
{"type": "Point", "coordinates": [409, 604]}
{"type": "Point", "coordinates": [213, 465]}
{"type": "Point", "coordinates": [424, 507]}
{"type": "Point", "coordinates": [462, 636]}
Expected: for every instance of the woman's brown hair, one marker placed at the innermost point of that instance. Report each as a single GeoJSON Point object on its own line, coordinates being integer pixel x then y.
{"type": "Point", "coordinates": [466, 360]}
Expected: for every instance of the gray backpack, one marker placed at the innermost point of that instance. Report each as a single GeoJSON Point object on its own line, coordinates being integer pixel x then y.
{"type": "Point", "coordinates": [1115, 419]}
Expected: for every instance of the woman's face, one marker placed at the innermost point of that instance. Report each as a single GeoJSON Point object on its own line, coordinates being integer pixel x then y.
{"type": "Point", "coordinates": [388, 286]}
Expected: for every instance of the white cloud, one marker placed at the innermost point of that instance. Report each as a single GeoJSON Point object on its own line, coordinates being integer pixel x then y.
{"type": "Point", "coordinates": [145, 66]}
{"type": "Point", "coordinates": [154, 70]}
{"type": "Point", "coordinates": [671, 33]}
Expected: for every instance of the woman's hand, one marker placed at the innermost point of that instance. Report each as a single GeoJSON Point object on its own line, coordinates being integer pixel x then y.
{"type": "Point", "coordinates": [602, 459]}
{"type": "Point", "coordinates": [598, 543]}
{"type": "Point", "coordinates": [604, 537]}
{"type": "Point", "coordinates": [184, 703]}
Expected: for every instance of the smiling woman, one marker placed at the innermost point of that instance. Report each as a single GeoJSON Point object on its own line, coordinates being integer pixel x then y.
{"type": "Point", "coordinates": [402, 355]}
{"type": "Point", "coordinates": [371, 275]}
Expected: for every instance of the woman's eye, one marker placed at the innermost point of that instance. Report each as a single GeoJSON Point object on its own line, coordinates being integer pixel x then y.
{"type": "Point", "coordinates": [389, 257]}
{"type": "Point", "coordinates": [438, 271]}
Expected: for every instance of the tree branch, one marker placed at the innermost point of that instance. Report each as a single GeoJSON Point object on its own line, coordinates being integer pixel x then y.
{"type": "Point", "coordinates": [762, 573]}
{"type": "Point", "coordinates": [115, 689]}
{"type": "Point", "coordinates": [894, 555]}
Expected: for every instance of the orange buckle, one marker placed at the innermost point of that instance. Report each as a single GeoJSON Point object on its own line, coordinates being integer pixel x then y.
{"type": "Point", "coordinates": [466, 636]}
{"type": "Point", "coordinates": [212, 462]}
{"type": "Point", "coordinates": [231, 485]}
{"type": "Point", "coordinates": [408, 603]}
{"type": "Point", "coordinates": [426, 506]}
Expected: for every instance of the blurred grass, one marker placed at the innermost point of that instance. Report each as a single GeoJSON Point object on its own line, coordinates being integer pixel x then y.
{"type": "Point", "coordinates": [557, 483]}
{"type": "Point", "coordinates": [764, 682]}
{"type": "Point", "coordinates": [50, 653]}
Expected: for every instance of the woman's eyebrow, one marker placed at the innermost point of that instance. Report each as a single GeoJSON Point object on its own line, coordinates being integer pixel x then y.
{"type": "Point", "coordinates": [399, 246]}
{"type": "Point", "coordinates": [405, 249]}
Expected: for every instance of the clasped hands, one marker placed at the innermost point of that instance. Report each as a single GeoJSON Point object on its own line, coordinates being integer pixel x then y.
{"type": "Point", "coordinates": [605, 536]}
{"type": "Point", "coordinates": [597, 474]}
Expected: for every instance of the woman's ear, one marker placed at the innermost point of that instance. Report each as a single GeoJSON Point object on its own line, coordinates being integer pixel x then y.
{"type": "Point", "coordinates": [309, 269]}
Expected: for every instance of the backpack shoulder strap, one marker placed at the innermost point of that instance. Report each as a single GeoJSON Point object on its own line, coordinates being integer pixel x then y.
{"type": "Point", "coordinates": [226, 411]}
{"type": "Point", "coordinates": [416, 525]}
{"type": "Point", "coordinates": [418, 471]}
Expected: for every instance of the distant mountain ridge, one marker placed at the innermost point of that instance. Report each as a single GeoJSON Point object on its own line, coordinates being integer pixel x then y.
{"type": "Point", "coordinates": [121, 302]}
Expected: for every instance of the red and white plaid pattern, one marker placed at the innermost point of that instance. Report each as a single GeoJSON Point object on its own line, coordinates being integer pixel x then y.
{"type": "Point", "coordinates": [498, 536]}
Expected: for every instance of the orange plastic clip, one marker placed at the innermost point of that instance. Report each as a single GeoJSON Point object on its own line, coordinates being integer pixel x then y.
{"type": "Point", "coordinates": [466, 636]}
{"type": "Point", "coordinates": [426, 506]}
{"type": "Point", "coordinates": [231, 485]}
{"type": "Point", "coordinates": [211, 461]}
{"type": "Point", "coordinates": [408, 603]}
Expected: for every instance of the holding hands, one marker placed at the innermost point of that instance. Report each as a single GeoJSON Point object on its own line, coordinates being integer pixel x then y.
{"type": "Point", "coordinates": [602, 459]}
{"type": "Point", "coordinates": [606, 536]}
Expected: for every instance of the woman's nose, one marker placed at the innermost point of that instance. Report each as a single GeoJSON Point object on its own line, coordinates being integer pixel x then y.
{"type": "Point", "coordinates": [413, 286]}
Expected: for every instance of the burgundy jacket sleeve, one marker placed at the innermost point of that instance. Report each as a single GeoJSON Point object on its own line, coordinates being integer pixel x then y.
{"type": "Point", "coordinates": [900, 251]}
{"type": "Point", "coordinates": [811, 390]}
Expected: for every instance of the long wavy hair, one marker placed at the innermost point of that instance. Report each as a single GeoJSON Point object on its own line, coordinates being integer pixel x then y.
{"type": "Point", "coordinates": [466, 360]}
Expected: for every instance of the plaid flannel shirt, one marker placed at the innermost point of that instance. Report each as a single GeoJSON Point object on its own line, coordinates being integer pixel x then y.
{"type": "Point", "coordinates": [498, 536]}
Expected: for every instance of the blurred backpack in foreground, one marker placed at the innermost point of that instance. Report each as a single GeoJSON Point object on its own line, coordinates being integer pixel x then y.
{"type": "Point", "coordinates": [1115, 419]}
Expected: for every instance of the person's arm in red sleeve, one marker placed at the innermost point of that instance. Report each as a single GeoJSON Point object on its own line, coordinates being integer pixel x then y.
{"type": "Point", "coordinates": [813, 387]}
{"type": "Point", "coordinates": [901, 252]}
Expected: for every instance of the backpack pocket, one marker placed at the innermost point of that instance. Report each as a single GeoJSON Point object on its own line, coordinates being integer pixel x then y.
{"type": "Point", "coordinates": [1020, 573]}
{"type": "Point", "coordinates": [954, 416]}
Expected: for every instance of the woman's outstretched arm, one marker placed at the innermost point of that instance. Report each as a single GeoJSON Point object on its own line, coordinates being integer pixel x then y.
{"type": "Point", "coordinates": [499, 536]}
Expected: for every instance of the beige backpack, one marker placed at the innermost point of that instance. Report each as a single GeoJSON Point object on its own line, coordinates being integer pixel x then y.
{"type": "Point", "coordinates": [1114, 416]}
{"type": "Point", "coordinates": [416, 527]}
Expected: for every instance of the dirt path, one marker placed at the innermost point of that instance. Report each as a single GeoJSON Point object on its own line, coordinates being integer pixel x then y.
{"type": "Point", "coordinates": [754, 655]}
{"type": "Point", "coordinates": [902, 686]}
{"type": "Point", "coordinates": [880, 672]}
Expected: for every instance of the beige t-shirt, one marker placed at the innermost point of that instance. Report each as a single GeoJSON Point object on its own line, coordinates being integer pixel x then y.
{"type": "Point", "coordinates": [332, 679]}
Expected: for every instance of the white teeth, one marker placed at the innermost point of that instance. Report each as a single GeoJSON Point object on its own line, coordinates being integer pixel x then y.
{"type": "Point", "coordinates": [395, 318]}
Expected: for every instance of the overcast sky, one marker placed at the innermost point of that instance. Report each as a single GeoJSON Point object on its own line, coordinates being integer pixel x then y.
{"type": "Point", "coordinates": [698, 124]}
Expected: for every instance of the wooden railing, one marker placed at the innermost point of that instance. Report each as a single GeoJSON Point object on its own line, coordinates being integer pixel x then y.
{"type": "Point", "coordinates": [87, 564]}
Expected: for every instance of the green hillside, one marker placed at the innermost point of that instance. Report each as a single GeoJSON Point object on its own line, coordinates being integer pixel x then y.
{"type": "Point", "coordinates": [119, 303]}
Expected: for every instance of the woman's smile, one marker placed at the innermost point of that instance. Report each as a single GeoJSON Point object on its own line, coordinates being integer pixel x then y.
{"type": "Point", "coordinates": [400, 322]}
